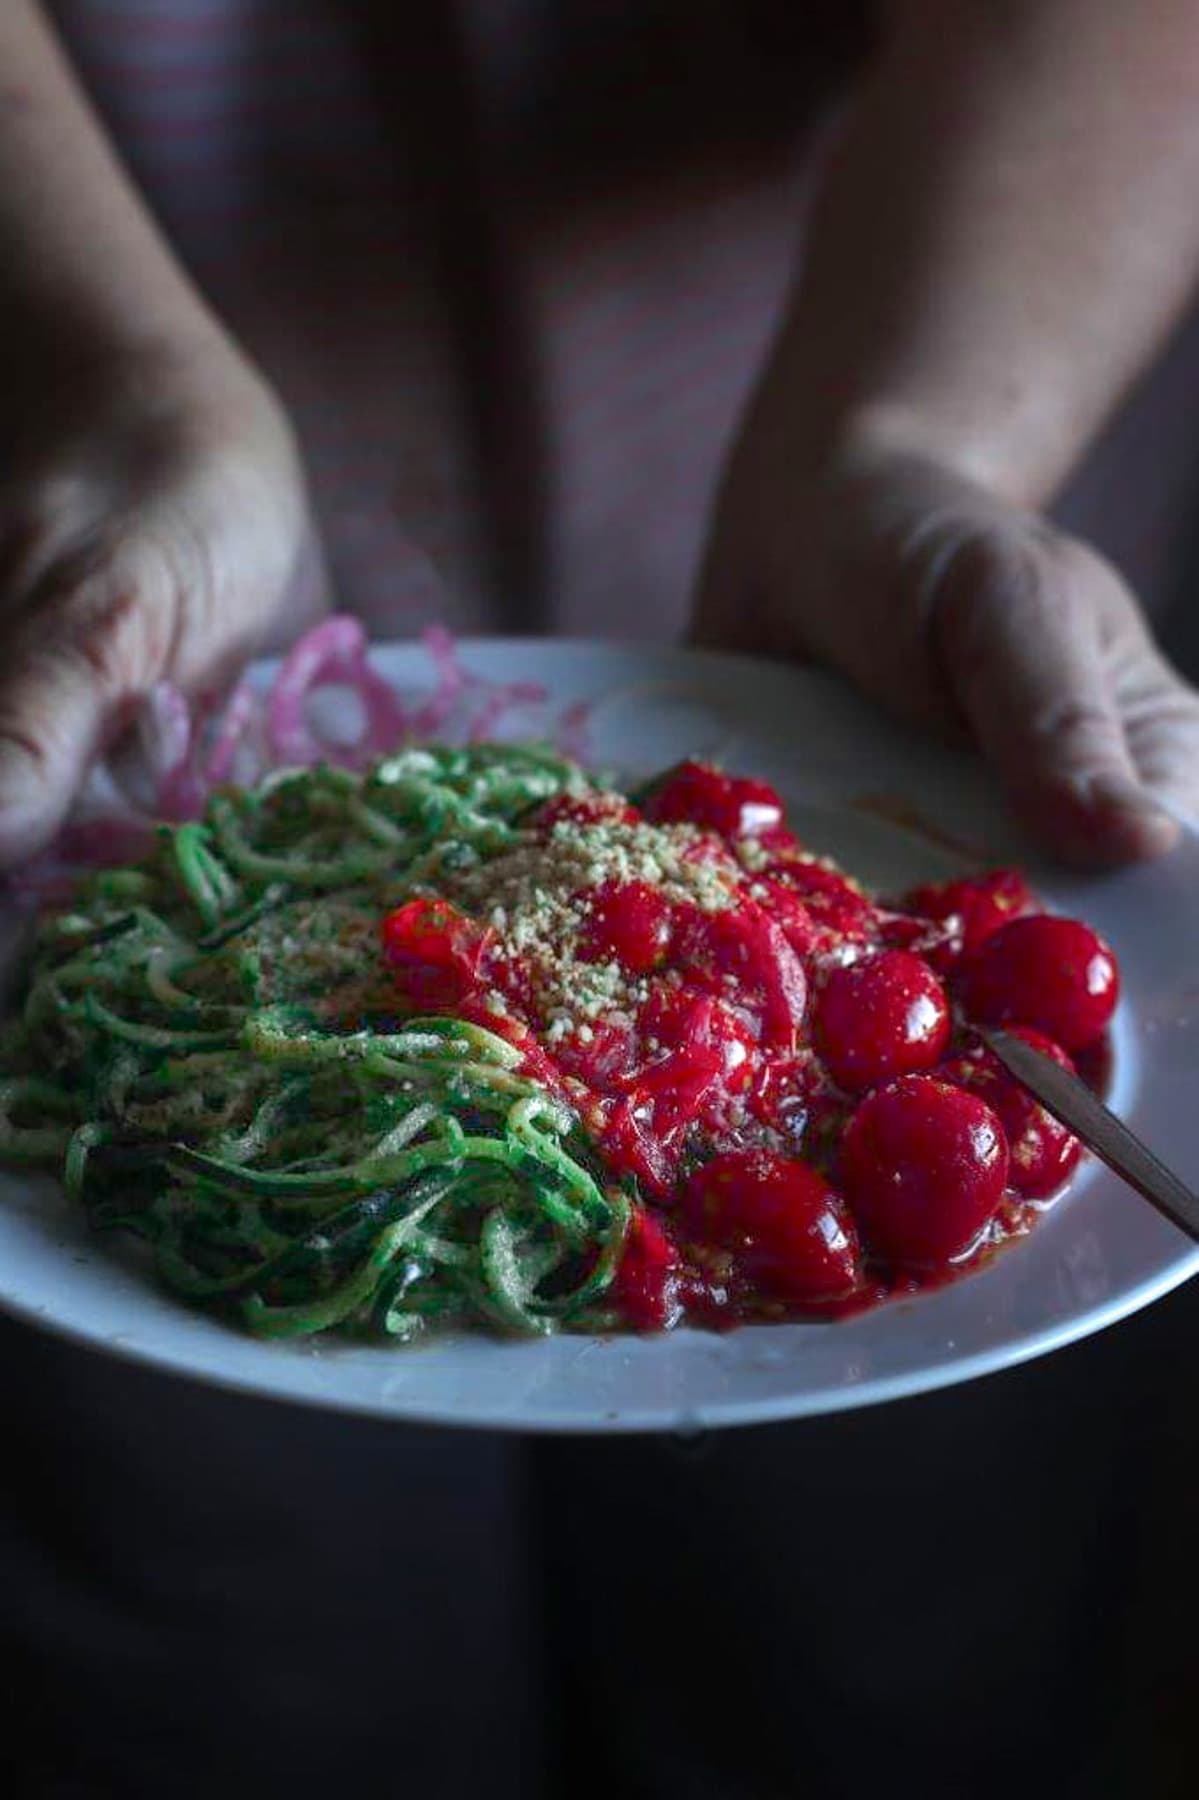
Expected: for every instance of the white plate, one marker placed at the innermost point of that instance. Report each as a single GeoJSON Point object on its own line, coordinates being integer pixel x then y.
{"type": "Point", "coordinates": [1098, 1256]}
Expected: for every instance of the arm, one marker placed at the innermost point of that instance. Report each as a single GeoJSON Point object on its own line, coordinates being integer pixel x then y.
{"type": "Point", "coordinates": [1008, 233]}
{"type": "Point", "coordinates": [77, 249]}
{"type": "Point", "coordinates": [152, 514]}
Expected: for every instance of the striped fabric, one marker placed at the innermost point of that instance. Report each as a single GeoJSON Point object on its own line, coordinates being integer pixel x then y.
{"type": "Point", "coordinates": [511, 279]}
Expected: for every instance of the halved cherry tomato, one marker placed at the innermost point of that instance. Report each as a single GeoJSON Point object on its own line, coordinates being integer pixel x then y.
{"type": "Point", "coordinates": [629, 922]}
{"type": "Point", "coordinates": [435, 951]}
{"type": "Point", "coordinates": [743, 947]}
{"type": "Point", "coordinates": [837, 906]}
{"type": "Point", "coordinates": [647, 1283]}
{"type": "Point", "coordinates": [603, 1055]}
{"type": "Point", "coordinates": [974, 907]}
{"type": "Point", "coordinates": [790, 1231]}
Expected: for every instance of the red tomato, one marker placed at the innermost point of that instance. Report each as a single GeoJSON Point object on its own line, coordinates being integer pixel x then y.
{"type": "Point", "coordinates": [885, 1016]}
{"type": "Point", "coordinates": [971, 908]}
{"type": "Point", "coordinates": [628, 922]}
{"type": "Point", "coordinates": [702, 1056]}
{"type": "Point", "coordinates": [675, 1019]}
{"type": "Point", "coordinates": [780, 1096]}
{"type": "Point", "coordinates": [837, 906]}
{"type": "Point", "coordinates": [712, 852]}
{"type": "Point", "coordinates": [602, 1057]}
{"type": "Point", "coordinates": [680, 1090]}
{"type": "Point", "coordinates": [1054, 974]}
{"type": "Point", "coordinates": [923, 1165]}
{"type": "Point", "coordinates": [594, 808]}
{"type": "Point", "coordinates": [780, 842]}
{"type": "Point", "coordinates": [694, 793]}
{"type": "Point", "coordinates": [435, 951]}
{"type": "Point", "coordinates": [647, 1283]}
{"type": "Point", "coordinates": [790, 1232]}
{"type": "Point", "coordinates": [633, 1145]}
{"type": "Point", "coordinates": [1042, 1152]}
{"type": "Point", "coordinates": [795, 921]}
{"type": "Point", "coordinates": [745, 950]}
{"type": "Point", "coordinates": [982, 904]}
{"type": "Point", "coordinates": [938, 941]}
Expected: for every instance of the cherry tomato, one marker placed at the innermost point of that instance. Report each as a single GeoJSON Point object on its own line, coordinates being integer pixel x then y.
{"type": "Point", "coordinates": [791, 1233]}
{"type": "Point", "coordinates": [923, 1165]}
{"type": "Point", "coordinates": [779, 842]}
{"type": "Point", "coordinates": [602, 1055]}
{"type": "Point", "coordinates": [675, 1019]}
{"type": "Point", "coordinates": [628, 922]}
{"type": "Point", "coordinates": [1054, 974]}
{"type": "Point", "coordinates": [694, 793]}
{"type": "Point", "coordinates": [837, 906]}
{"type": "Point", "coordinates": [938, 941]}
{"type": "Point", "coordinates": [780, 1096]}
{"type": "Point", "coordinates": [794, 919]}
{"type": "Point", "coordinates": [646, 1286]}
{"type": "Point", "coordinates": [1042, 1152]}
{"type": "Point", "coordinates": [981, 904]}
{"type": "Point", "coordinates": [435, 951]}
{"type": "Point", "coordinates": [593, 808]}
{"type": "Point", "coordinates": [744, 949]}
{"type": "Point", "coordinates": [633, 1144]}
{"type": "Point", "coordinates": [885, 1016]}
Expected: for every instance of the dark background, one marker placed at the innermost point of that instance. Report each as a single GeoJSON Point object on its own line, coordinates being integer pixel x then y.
{"type": "Point", "coordinates": [986, 1592]}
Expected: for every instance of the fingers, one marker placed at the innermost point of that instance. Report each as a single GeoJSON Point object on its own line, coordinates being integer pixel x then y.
{"type": "Point", "coordinates": [1161, 722]}
{"type": "Point", "coordinates": [71, 671]}
{"type": "Point", "coordinates": [1036, 637]}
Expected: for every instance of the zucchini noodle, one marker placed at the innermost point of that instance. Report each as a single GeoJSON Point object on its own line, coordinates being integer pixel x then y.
{"type": "Point", "coordinates": [212, 1056]}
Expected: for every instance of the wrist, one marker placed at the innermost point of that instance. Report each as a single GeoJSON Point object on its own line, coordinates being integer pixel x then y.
{"type": "Point", "coordinates": [830, 418]}
{"type": "Point", "coordinates": [187, 384]}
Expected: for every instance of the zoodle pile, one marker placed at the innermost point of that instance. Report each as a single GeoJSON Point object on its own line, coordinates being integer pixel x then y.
{"type": "Point", "coordinates": [211, 1053]}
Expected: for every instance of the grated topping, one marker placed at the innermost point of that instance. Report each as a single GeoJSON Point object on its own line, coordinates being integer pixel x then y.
{"type": "Point", "coordinates": [536, 897]}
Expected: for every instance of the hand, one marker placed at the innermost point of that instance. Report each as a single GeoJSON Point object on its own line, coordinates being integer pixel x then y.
{"type": "Point", "coordinates": [153, 526]}
{"type": "Point", "coordinates": [957, 610]}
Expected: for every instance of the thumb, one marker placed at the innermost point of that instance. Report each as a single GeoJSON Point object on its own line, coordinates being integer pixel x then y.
{"type": "Point", "coordinates": [72, 671]}
{"type": "Point", "coordinates": [1033, 632]}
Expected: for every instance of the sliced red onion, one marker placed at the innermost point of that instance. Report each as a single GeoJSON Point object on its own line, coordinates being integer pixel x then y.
{"type": "Point", "coordinates": [432, 719]}
{"type": "Point", "coordinates": [486, 721]}
{"type": "Point", "coordinates": [333, 652]}
{"type": "Point", "coordinates": [232, 726]}
{"type": "Point", "coordinates": [573, 735]}
{"type": "Point", "coordinates": [180, 751]}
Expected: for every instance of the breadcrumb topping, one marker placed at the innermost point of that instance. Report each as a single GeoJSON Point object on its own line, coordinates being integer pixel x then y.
{"type": "Point", "coordinates": [537, 898]}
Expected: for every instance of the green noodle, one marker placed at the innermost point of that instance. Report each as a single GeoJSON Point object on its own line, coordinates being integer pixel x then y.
{"type": "Point", "coordinates": [211, 1056]}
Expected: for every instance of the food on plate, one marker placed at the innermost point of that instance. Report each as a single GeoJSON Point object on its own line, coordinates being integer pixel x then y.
{"type": "Point", "coordinates": [466, 1036]}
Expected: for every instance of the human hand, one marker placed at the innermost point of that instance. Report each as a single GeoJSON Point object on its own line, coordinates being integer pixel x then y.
{"type": "Point", "coordinates": [959, 611]}
{"type": "Point", "coordinates": [153, 526]}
